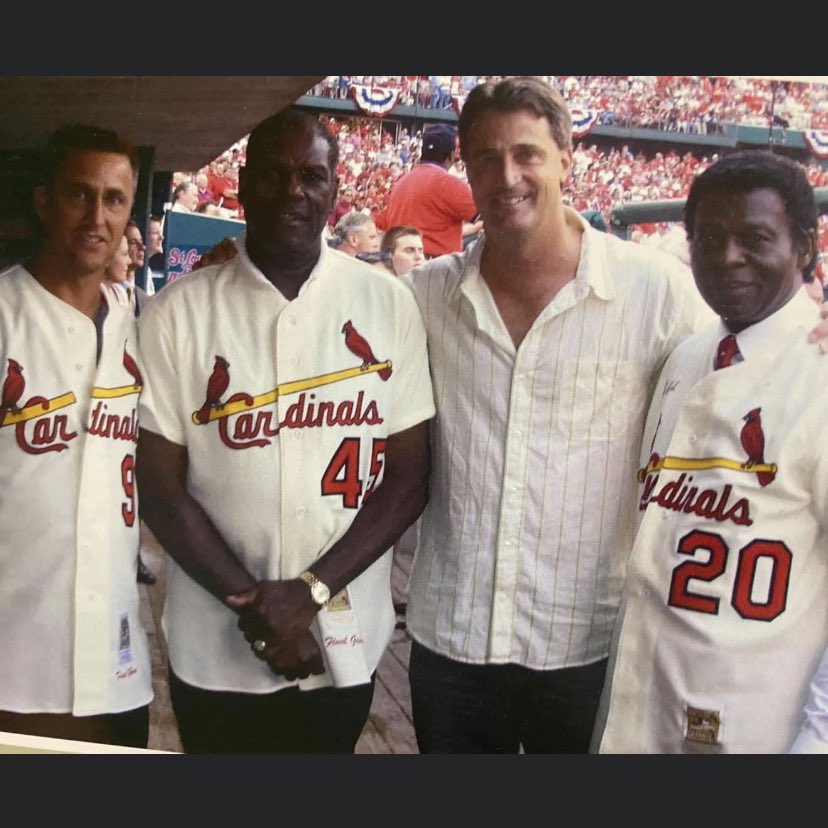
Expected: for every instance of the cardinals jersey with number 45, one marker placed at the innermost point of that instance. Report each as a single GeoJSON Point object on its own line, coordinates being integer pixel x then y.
{"type": "Point", "coordinates": [285, 409]}
{"type": "Point", "coordinates": [70, 633]}
{"type": "Point", "coordinates": [724, 620]}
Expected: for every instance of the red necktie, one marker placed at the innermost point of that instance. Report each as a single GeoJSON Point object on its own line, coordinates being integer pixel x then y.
{"type": "Point", "coordinates": [728, 348]}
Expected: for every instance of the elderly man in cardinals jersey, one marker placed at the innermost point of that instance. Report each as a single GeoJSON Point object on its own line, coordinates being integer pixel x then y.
{"type": "Point", "coordinates": [75, 657]}
{"type": "Point", "coordinates": [720, 645]}
{"type": "Point", "coordinates": [284, 449]}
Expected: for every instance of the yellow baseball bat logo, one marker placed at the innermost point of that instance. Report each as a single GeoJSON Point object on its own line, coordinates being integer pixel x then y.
{"type": "Point", "coordinates": [294, 387]}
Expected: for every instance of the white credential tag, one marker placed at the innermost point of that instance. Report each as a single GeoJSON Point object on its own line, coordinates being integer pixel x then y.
{"type": "Point", "coordinates": [341, 642]}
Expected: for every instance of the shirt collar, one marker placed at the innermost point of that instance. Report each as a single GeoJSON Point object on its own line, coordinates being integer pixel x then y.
{"type": "Point", "coordinates": [592, 273]}
{"type": "Point", "coordinates": [251, 270]}
{"type": "Point", "coordinates": [764, 336]}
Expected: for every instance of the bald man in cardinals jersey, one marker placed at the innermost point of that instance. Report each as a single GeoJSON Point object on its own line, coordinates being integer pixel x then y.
{"type": "Point", "coordinates": [75, 657]}
{"type": "Point", "coordinates": [284, 448]}
{"type": "Point", "coordinates": [720, 644]}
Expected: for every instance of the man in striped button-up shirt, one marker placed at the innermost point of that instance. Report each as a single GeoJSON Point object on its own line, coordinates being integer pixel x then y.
{"type": "Point", "coordinates": [545, 338]}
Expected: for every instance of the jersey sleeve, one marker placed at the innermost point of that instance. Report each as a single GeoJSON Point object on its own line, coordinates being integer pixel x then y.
{"type": "Point", "coordinates": [158, 407]}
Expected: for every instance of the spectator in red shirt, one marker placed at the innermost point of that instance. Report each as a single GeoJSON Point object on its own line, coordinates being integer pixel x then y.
{"type": "Point", "coordinates": [432, 200]}
{"type": "Point", "coordinates": [224, 188]}
{"type": "Point", "coordinates": [344, 204]}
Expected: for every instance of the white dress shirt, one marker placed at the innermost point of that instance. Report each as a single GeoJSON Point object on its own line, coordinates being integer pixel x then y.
{"type": "Point", "coordinates": [524, 542]}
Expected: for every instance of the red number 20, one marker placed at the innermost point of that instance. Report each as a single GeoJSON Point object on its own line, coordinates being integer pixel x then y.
{"type": "Point", "coordinates": [748, 558]}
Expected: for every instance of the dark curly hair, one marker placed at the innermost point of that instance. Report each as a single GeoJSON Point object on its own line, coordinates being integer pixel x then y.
{"type": "Point", "coordinates": [756, 169]}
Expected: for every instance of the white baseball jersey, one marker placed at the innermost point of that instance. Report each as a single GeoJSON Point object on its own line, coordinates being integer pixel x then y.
{"type": "Point", "coordinates": [70, 634]}
{"type": "Point", "coordinates": [524, 541]}
{"type": "Point", "coordinates": [725, 613]}
{"type": "Point", "coordinates": [284, 408]}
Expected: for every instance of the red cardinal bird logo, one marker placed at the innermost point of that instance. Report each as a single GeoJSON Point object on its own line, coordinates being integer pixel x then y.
{"type": "Point", "coordinates": [132, 367]}
{"type": "Point", "coordinates": [13, 387]}
{"type": "Point", "coordinates": [216, 386]}
{"type": "Point", "coordinates": [357, 345]}
{"type": "Point", "coordinates": [753, 442]}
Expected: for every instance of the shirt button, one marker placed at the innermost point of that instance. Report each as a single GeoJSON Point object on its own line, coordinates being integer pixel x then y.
{"type": "Point", "coordinates": [301, 510]}
{"type": "Point", "coordinates": [79, 367]}
{"type": "Point", "coordinates": [692, 438]}
{"type": "Point", "coordinates": [70, 330]}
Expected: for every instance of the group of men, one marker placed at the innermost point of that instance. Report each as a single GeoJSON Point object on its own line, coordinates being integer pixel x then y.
{"type": "Point", "coordinates": [299, 410]}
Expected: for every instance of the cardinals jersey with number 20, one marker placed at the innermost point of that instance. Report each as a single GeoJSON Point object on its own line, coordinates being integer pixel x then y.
{"type": "Point", "coordinates": [725, 616]}
{"type": "Point", "coordinates": [70, 632]}
{"type": "Point", "coordinates": [284, 408]}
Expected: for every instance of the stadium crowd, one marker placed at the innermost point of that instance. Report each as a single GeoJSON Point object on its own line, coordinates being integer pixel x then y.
{"type": "Point", "coordinates": [682, 103]}
{"type": "Point", "coordinates": [372, 159]}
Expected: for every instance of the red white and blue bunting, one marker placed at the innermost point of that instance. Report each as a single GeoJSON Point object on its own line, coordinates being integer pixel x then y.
{"type": "Point", "coordinates": [817, 142]}
{"type": "Point", "coordinates": [583, 120]}
{"type": "Point", "coordinates": [374, 100]}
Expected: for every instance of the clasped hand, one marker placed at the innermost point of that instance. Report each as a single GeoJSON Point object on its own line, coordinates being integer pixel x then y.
{"type": "Point", "coordinates": [280, 614]}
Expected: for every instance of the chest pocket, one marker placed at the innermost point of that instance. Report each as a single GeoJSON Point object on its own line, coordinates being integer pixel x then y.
{"type": "Point", "coordinates": [600, 401]}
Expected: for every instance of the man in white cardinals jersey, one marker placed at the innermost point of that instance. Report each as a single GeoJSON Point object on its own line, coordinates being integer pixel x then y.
{"type": "Point", "coordinates": [74, 655]}
{"type": "Point", "coordinates": [720, 646]}
{"type": "Point", "coordinates": [284, 449]}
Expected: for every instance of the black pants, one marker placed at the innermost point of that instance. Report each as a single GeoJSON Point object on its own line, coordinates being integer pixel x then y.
{"type": "Point", "coordinates": [327, 720]}
{"type": "Point", "coordinates": [130, 728]}
{"type": "Point", "coordinates": [494, 708]}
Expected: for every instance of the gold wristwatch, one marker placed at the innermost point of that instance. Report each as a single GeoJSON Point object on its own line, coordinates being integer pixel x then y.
{"type": "Point", "coordinates": [319, 591]}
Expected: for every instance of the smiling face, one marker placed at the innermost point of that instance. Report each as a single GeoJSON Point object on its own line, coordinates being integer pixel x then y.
{"type": "Point", "coordinates": [85, 208]}
{"type": "Point", "coordinates": [516, 171]}
{"type": "Point", "coordinates": [743, 255]}
{"type": "Point", "coordinates": [287, 190]}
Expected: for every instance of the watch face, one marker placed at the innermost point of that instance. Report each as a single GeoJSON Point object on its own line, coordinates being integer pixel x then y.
{"type": "Point", "coordinates": [320, 593]}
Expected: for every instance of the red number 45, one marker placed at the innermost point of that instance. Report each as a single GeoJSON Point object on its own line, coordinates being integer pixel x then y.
{"type": "Point", "coordinates": [341, 477]}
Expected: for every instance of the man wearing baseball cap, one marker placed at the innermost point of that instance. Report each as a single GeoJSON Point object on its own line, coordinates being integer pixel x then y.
{"type": "Point", "coordinates": [430, 199]}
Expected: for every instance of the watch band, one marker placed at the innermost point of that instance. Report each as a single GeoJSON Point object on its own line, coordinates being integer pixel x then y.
{"type": "Point", "coordinates": [320, 592]}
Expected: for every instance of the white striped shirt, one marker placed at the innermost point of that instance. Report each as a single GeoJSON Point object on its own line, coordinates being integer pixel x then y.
{"type": "Point", "coordinates": [524, 542]}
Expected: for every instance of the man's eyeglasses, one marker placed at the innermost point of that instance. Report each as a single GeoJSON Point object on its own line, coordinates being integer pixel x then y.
{"type": "Point", "coordinates": [134, 242]}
